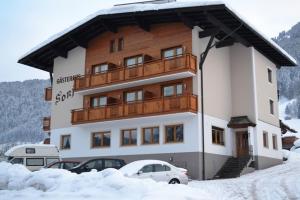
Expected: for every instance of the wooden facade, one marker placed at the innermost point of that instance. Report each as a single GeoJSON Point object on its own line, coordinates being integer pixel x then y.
{"type": "Point", "coordinates": [48, 94]}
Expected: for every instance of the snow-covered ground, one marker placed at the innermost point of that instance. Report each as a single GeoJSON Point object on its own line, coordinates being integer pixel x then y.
{"type": "Point", "coordinates": [276, 183]}
{"type": "Point", "coordinates": [292, 123]}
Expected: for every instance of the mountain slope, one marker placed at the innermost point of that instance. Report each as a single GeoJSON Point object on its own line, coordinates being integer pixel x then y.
{"type": "Point", "coordinates": [22, 108]}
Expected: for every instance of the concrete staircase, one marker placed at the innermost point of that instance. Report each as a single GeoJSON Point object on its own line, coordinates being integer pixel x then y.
{"type": "Point", "coordinates": [233, 167]}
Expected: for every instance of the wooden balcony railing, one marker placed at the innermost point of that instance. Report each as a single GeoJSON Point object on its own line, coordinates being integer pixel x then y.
{"type": "Point", "coordinates": [46, 123]}
{"type": "Point", "coordinates": [48, 94]}
{"type": "Point", "coordinates": [156, 106]}
{"type": "Point", "coordinates": [186, 62]}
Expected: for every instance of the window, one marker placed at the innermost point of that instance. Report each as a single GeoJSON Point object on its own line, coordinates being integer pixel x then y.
{"type": "Point", "coordinates": [17, 161]}
{"type": "Point", "coordinates": [35, 161]}
{"type": "Point", "coordinates": [69, 165]}
{"type": "Point", "coordinates": [129, 137]}
{"type": "Point", "coordinates": [167, 168]}
{"type": "Point", "coordinates": [101, 139]}
{"type": "Point", "coordinates": [51, 160]}
{"type": "Point", "coordinates": [99, 101]}
{"type": "Point", "coordinates": [174, 133]}
{"type": "Point", "coordinates": [56, 166]}
{"type": "Point", "coordinates": [112, 164]}
{"type": "Point", "coordinates": [133, 61]}
{"type": "Point", "coordinates": [112, 47]}
{"type": "Point", "coordinates": [102, 68]}
{"type": "Point", "coordinates": [120, 44]}
{"type": "Point", "coordinates": [217, 135]}
{"type": "Point", "coordinates": [151, 135]}
{"type": "Point", "coordinates": [274, 140]}
{"type": "Point", "coordinates": [30, 150]}
{"type": "Point", "coordinates": [173, 90]}
{"type": "Point", "coordinates": [147, 169]}
{"type": "Point", "coordinates": [172, 52]}
{"type": "Point", "coordinates": [65, 142]}
{"type": "Point", "coordinates": [271, 106]}
{"type": "Point", "coordinates": [134, 96]}
{"type": "Point", "coordinates": [265, 139]}
{"type": "Point", "coordinates": [158, 168]}
{"type": "Point", "coordinates": [270, 75]}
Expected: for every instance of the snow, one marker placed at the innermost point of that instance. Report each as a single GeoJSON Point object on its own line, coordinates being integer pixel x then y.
{"type": "Point", "coordinates": [276, 183]}
{"type": "Point", "coordinates": [133, 167]}
{"type": "Point", "coordinates": [292, 123]}
{"type": "Point", "coordinates": [152, 7]}
{"type": "Point", "coordinates": [11, 150]}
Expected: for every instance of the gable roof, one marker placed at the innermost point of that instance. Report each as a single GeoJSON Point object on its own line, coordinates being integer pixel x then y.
{"type": "Point", "coordinates": [206, 15]}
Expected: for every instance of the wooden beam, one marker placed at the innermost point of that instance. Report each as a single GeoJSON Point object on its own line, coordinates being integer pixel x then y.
{"type": "Point", "coordinates": [225, 43]}
{"type": "Point", "coordinates": [60, 52]}
{"type": "Point", "coordinates": [142, 23]}
{"type": "Point", "coordinates": [108, 26]}
{"type": "Point", "coordinates": [212, 19]}
{"type": "Point", "coordinates": [186, 20]}
{"type": "Point", "coordinates": [78, 42]}
{"type": "Point", "coordinates": [208, 32]}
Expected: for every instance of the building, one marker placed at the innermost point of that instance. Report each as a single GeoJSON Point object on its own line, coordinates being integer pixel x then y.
{"type": "Point", "coordinates": [126, 84]}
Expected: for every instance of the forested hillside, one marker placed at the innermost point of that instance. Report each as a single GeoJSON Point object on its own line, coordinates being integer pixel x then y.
{"type": "Point", "coordinates": [22, 108]}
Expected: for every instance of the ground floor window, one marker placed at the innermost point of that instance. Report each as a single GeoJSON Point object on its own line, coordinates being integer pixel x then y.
{"type": "Point", "coordinates": [129, 137]}
{"type": "Point", "coordinates": [174, 133]}
{"type": "Point", "coordinates": [218, 135]}
{"type": "Point", "coordinates": [150, 135]}
{"type": "Point", "coordinates": [265, 139]}
{"type": "Point", "coordinates": [274, 140]}
{"type": "Point", "coordinates": [65, 142]}
{"type": "Point", "coordinates": [101, 139]}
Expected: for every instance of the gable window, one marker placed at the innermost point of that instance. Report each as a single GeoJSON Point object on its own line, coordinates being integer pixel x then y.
{"type": "Point", "coordinates": [98, 101]}
{"type": "Point", "coordinates": [271, 102]}
{"type": "Point", "coordinates": [151, 135]}
{"type": "Point", "coordinates": [173, 90]}
{"type": "Point", "coordinates": [134, 96]}
{"type": "Point", "coordinates": [172, 52]}
{"type": "Point", "coordinates": [265, 139]}
{"type": "Point", "coordinates": [133, 61]}
{"type": "Point", "coordinates": [101, 139]}
{"type": "Point", "coordinates": [112, 47]}
{"type": "Point", "coordinates": [128, 137]}
{"type": "Point", "coordinates": [120, 44]}
{"type": "Point", "coordinates": [270, 75]}
{"type": "Point", "coordinates": [102, 68]}
{"type": "Point", "coordinates": [65, 142]}
{"type": "Point", "coordinates": [274, 140]}
{"type": "Point", "coordinates": [174, 133]}
{"type": "Point", "coordinates": [217, 135]}
{"type": "Point", "coordinates": [30, 150]}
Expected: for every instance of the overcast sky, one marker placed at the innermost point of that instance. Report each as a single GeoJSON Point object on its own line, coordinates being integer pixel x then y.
{"type": "Point", "coordinates": [26, 23]}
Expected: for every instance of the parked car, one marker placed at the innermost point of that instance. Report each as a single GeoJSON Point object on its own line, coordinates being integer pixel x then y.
{"type": "Point", "coordinates": [156, 170]}
{"type": "Point", "coordinates": [66, 164]}
{"type": "Point", "coordinates": [98, 164]}
{"type": "Point", "coordinates": [33, 156]}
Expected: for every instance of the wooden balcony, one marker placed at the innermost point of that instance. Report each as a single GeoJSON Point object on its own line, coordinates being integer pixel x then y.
{"type": "Point", "coordinates": [155, 106]}
{"type": "Point", "coordinates": [46, 123]}
{"type": "Point", "coordinates": [48, 94]}
{"type": "Point", "coordinates": [149, 69]}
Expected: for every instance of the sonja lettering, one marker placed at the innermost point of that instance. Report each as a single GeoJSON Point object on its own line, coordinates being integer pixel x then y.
{"type": "Point", "coordinates": [60, 96]}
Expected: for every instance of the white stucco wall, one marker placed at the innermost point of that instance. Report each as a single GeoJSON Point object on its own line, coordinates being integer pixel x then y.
{"type": "Point", "coordinates": [63, 98]}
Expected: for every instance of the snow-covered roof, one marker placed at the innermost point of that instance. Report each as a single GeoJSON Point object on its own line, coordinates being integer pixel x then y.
{"type": "Point", "coordinates": [11, 150]}
{"type": "Point", "coordinates": [144, 8]}
{"type": "Point", "coordinates": [291, 134]}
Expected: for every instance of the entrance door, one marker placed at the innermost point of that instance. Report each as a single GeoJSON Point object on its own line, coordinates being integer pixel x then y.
{"type": "Point", "coordinates": [242, 144]}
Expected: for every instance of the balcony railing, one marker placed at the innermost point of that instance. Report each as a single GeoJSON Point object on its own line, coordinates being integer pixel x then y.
{"type": "Point", "coordinates": [155, 106]}
{"type": "Point", "coordinates": [48, 94]}
{"type": "Point", "coordinates": [186, 62]}
{"type": "Point", "coordinates": [46, 123]}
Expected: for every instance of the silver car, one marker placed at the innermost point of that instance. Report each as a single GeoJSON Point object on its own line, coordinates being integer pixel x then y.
{"type": "Point", "coordinates": [156, 170]}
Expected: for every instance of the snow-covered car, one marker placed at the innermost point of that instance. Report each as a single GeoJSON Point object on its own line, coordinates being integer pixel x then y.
{"type": "Point", "coordinates": [156, 170]}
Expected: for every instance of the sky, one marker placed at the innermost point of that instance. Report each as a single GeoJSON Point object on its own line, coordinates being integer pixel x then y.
{"type": "Point", "coordinates": [26, 23]}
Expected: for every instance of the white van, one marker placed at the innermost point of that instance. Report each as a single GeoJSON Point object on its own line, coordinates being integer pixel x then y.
{"type": "Point", "coordinates": [33, 156]}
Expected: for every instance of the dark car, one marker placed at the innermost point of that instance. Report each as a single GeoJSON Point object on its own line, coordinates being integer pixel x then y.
{"type": "Point", "coordinates": [63, 164]}
{"type": "Point", "coordinates": [98, 164]}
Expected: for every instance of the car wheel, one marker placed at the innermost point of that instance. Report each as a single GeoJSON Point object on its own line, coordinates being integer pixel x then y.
{"type": "Point", "coordinates": [174, 181]}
